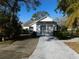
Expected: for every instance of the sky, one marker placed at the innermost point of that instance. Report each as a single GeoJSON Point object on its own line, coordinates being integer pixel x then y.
{"type": "Point", "coordinates": [46, 5]}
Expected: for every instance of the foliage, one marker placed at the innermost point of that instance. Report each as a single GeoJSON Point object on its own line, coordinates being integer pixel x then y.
{"type": "Point", "coordinates": [64, 5]}
{"type": "Point", "coordinates": [73, 17]}
{"type": "Point", "coordinates": [12, 29]}
{"type": "Point", "coordinates": [25, 31]}
{"type": "Point", "coordinates": [71, 8]}
{"type": "Point", "coordinates": [34, 34]}
{"type": "Point", "coordinates": [77, 32]}
{"type": "Point", "coordinates": [39, 14]}
{"type": "Point", "coordinates": [15, 4]}
{"type": "Point", "coordinates": [62, 34]}
{"type": "Point", "coordinates": [8, 15]}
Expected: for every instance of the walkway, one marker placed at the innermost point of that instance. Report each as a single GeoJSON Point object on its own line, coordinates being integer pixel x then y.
{"type": "Point", "coordinates": [49, 48]}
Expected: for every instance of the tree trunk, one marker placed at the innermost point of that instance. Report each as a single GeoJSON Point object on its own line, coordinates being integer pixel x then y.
{"type": "Point", "coordinates": [3, 39]}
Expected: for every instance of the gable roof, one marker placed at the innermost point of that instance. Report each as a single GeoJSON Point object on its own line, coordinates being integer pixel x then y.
{"type": "Point", "coordinates": [43, 19]}
{"type": "Point", "coordinates": [47, 19]}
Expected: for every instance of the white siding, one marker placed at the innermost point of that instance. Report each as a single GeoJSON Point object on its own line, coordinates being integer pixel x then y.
{"type": "Point", "coordinates": [34, 27]}
{"type": "Point", "coordinates": [47, 19]}
{"type": "Point", "coordinates": [25, 27]}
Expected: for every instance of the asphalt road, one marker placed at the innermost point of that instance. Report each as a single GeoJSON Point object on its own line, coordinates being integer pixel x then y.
{"type": "Point", "coordinates": [19, 49]}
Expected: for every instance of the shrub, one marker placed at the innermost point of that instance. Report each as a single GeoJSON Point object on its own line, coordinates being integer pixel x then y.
{"type": "Point", "coordinates": [25, 31]}
{"type": "Point", "coordinates": [34, 34]}
{"type": "Point", "coordinates": [62, 35]}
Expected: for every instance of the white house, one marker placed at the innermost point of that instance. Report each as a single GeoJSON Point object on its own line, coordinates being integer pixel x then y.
{"type": "Point", "coordinates": [43, 26]}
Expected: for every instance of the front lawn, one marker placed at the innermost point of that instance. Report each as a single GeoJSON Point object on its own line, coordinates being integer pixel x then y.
{"type": "Point", "coordinates": [19, 49]}
{"type": "Point", "coordinates": [6, 43]}
{"type": "Point", "coordinates": [74, 46]}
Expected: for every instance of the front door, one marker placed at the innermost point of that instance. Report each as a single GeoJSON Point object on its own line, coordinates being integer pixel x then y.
{"type": "Point", "coordinates": [43, 29]}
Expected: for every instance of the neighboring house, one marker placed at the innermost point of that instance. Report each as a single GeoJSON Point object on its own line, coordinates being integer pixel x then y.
{"type": "Point", "coordinates": [43, 26]}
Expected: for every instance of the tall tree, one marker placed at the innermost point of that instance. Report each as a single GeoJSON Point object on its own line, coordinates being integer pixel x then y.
{"type": "Point", "coordinates": [63, 5]}
{"type": "Point", "coordinates": [11, 8]}
{"type": "Point", "coordinates": [70, 8]}
{"type": "Point", "coordinates": [39, 14]}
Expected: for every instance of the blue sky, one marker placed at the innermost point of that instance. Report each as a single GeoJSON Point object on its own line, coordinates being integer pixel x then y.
{"type": "Point", "coordinates": [47, 5]}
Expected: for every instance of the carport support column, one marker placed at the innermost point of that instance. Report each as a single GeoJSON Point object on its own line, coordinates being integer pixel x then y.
{"type": "Point", "coordinates": [46, 28]}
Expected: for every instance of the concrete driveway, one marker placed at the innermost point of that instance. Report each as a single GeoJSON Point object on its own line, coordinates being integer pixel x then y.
{"type": "Point", "coordinates": [51, 48]}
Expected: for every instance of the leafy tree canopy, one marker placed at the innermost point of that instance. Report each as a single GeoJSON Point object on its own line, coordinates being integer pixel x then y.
{"type": "Point", "coordinates": [39, 14]}
{"type": "Point", "coordinates": [9, 10]}
{"type": "Point", "coordinates": [71, 8]}
{"type": "Point", "coordinates": [65, 6]}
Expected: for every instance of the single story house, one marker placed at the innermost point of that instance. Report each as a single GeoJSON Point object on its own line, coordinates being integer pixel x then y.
{"type": "Point", "coordinates": [43, 26]}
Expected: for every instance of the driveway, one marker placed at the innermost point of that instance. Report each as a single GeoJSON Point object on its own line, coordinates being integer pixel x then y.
{"type": "Point", "coordinates": [51, 48]}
